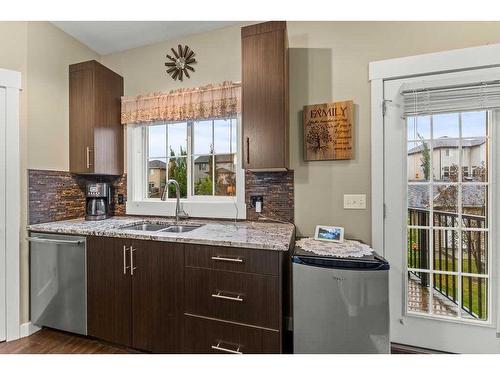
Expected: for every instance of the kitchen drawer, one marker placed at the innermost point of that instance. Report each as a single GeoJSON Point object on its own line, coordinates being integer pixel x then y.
{"type": "Point", "coordinates": [239, 297]}
{"type": "Point", "coordinates": [233, 259]}
{"type": "Point", "coordinates": [211, 336]}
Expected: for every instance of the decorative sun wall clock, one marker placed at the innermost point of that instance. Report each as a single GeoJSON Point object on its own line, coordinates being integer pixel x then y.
{"type": "Point", "coordinates": [179, 65]}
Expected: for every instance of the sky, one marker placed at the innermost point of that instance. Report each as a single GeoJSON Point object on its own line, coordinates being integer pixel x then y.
{"type": "Point", "coordinates": [224, 136]}
{"type": "Point", "coordinates": [447, 125]}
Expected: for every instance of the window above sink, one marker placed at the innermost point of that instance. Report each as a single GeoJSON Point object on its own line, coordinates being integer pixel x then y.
{"type": "Point", "coordinates": [203, 156]}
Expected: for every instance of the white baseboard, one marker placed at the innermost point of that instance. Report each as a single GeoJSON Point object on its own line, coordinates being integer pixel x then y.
{"type": "Point", "coordinates": [27, 329]}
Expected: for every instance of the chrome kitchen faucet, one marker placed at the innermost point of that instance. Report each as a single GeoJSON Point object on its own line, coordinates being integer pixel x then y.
{"type": "Point", "coordinates": [179, 212]}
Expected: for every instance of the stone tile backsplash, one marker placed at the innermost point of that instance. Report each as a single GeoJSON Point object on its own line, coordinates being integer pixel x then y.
{"type": "Point", "coordinates": [57, 195]}
{"type": "Point", "coordinates": [277, 191]}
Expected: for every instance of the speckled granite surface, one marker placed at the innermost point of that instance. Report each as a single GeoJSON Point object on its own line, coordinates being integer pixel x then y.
{"type": "Point", "coordinates": [255, 235]}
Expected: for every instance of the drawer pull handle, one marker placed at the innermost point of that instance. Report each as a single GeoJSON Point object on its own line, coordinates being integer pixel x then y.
{"type": "Point", "coordinates": [222, 296]}
{"type": "Point", "coordinates": [226, 259]}
{"type": "Point", "coordinates": [226, 350]}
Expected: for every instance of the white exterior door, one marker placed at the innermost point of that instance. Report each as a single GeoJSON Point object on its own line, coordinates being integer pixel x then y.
{"type": "Point", "coordinates": [2, 215]}
{"type": "Point", "coordinates": [441, 195]}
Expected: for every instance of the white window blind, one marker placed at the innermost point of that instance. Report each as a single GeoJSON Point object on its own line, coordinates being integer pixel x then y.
{"type": "Point", "coordinates": [420, 100]}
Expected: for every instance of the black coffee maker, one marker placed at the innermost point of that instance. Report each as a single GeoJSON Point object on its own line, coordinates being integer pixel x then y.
{"type": "Point", "coordinates": [98, 200]}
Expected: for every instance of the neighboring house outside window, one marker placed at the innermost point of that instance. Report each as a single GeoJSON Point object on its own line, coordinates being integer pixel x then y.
{"type": "Point", "coordinates": [445, 159]}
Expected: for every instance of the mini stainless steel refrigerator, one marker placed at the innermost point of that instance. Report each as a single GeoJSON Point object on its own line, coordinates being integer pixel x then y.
{"type": "Point", "coordinates": [340, 305]}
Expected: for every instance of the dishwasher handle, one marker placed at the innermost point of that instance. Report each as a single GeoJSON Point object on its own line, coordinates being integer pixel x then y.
{"type": "Point", "coordinates": [49, 240]}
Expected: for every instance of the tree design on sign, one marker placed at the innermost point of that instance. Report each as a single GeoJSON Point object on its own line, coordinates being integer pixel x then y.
{"type": "Point", "coordinates": [319, 137]}
{"type": "Point", "coordinates": [180, 64]}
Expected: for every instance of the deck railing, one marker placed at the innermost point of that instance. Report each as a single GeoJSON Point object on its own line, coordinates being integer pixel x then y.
{"type": "Point", "coordinates": [445, 255]}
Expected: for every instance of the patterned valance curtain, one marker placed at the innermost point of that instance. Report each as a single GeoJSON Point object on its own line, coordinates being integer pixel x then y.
{"type": "Point", "coordinates": [211, 101]}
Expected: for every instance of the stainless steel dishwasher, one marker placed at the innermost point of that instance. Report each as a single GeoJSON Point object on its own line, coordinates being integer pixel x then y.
{"type": "Point", "coordinates": [58, 285]}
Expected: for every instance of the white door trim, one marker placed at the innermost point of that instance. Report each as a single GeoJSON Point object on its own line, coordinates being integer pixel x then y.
{"type": "Point", "coordinates": [11, 81]}
{"type": "Point", "coordinates": [433, 63]}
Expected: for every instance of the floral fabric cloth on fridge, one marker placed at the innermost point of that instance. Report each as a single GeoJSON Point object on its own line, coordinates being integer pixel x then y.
{"type": "Point", "coordinates": [346, 249]}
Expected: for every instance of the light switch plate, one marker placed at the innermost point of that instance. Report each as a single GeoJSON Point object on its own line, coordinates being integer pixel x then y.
{"type": "Point", "coordinates": [355, 201]}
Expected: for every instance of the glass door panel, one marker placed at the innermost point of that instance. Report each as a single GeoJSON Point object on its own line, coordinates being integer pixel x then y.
{"type": "Point", "coordinates": [447, 228]}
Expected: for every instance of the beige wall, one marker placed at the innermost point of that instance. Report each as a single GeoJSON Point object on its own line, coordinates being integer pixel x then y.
{"type": "Point", "coordinates": [42, 53]}
{"type": "Point", "coordinates": [328, 62]}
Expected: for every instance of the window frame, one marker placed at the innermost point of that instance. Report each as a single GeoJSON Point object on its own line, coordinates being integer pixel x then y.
{"type": "Point", "coordinates": [195, 205]}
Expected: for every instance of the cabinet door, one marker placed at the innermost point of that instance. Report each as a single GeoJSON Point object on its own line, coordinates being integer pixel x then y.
{"type": "Point", "coordinates": [157, 296]}
{"type": "Point", "coordinates": [109, 290]}
{"type": "Point", "coordinates": [264, 100]}
{"type": "Point", "coordinates": [81, 120]}
{"type": "Point", "coordinates": [108, 130]}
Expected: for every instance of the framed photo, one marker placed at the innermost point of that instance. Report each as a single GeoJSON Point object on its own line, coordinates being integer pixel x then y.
{"type": "Point", "coordinates": [333, 234]}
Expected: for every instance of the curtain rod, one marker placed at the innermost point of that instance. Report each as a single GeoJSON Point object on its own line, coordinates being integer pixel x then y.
{"type": "Point", "coordinates": [451, 87]}
{"type": "Point", "coordinates": [179, 92]}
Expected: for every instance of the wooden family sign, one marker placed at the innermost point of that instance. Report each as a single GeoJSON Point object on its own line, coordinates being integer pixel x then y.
{"type": "Point", "coordinates": [328, 131]}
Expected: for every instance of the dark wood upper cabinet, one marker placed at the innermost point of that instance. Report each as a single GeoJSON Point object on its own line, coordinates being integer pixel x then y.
{"type": "Point", "coordinates": [95, 131]}
{"type": "Point", "coordinates": [265, 96]}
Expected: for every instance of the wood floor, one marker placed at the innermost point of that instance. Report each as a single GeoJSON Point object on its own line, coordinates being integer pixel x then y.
{"type": "Point", "coordinates": [49, 341]}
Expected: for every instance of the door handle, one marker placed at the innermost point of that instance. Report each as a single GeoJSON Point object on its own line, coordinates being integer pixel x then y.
{"type": "Point", "coordinates": [220, 295]}
{"type": "Point", "coordinates": [226, 350]}
{"type": "Point", "coordinates": [132, 268]}
{"type": "Point", "coordinates": [248, 150]}
{"type": "Point", "coordinates": [125, 267]}
{"type": "Point", "coordinates": [227, 259]}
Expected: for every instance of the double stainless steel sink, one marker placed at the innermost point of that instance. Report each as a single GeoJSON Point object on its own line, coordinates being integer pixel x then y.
{"type": "Point", "coordinates": [155, 227]}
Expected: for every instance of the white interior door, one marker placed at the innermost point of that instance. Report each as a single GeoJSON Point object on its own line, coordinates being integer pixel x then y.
{"type": "Point", "coordinates": [440, 228]}
{"type": "Point", "coordinates": [2, 215]}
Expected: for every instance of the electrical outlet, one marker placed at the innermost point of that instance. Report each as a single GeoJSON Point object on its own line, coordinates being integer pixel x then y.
{"type": "Point", "coordinates": [121, 199]}
{"type": "Point", "coordinates": [355, 201]}
{"type": "Point", "coordinates": [257, 201]}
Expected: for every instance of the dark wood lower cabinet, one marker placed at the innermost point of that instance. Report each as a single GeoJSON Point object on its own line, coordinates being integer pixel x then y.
{"type": "Point", "coordinates": [109, 298]}
{"type": "Point", "coordinates": [141, 308]}
{"type": "Point", "coordinates": [157, 297]}
{"type": "Point", "coordinates": [204, 335]}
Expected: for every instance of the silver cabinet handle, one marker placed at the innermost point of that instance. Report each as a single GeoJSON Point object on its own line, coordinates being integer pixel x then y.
{"type": "Point", "coordinates": [226, 350]}
{"type": "Point", "coordinates": [88, 157]}
{"type": "Point", "coordinates": [227, 259]}
{"type": "Point", "coordinates": [248, 150]}
{"type": "Point", "coordinates": [222, 296]}
{"type": "Point", "coordinates": [48, 240]}
{"type": "Point", "coordinates": [132, 268]}
{"type": "Point", "coordinates": [125, 267]}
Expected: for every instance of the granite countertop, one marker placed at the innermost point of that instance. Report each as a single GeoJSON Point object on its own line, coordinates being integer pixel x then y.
{"type": "Point", "coordinates": [247, 234]}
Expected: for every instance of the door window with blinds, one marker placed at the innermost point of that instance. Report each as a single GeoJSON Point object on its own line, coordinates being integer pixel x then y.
{"type": "Point", "coordinates": [448, 251]}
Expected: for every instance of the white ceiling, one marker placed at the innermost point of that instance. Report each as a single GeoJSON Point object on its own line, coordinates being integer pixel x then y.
{"type": "Point", "coordinates": [112, 36]}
